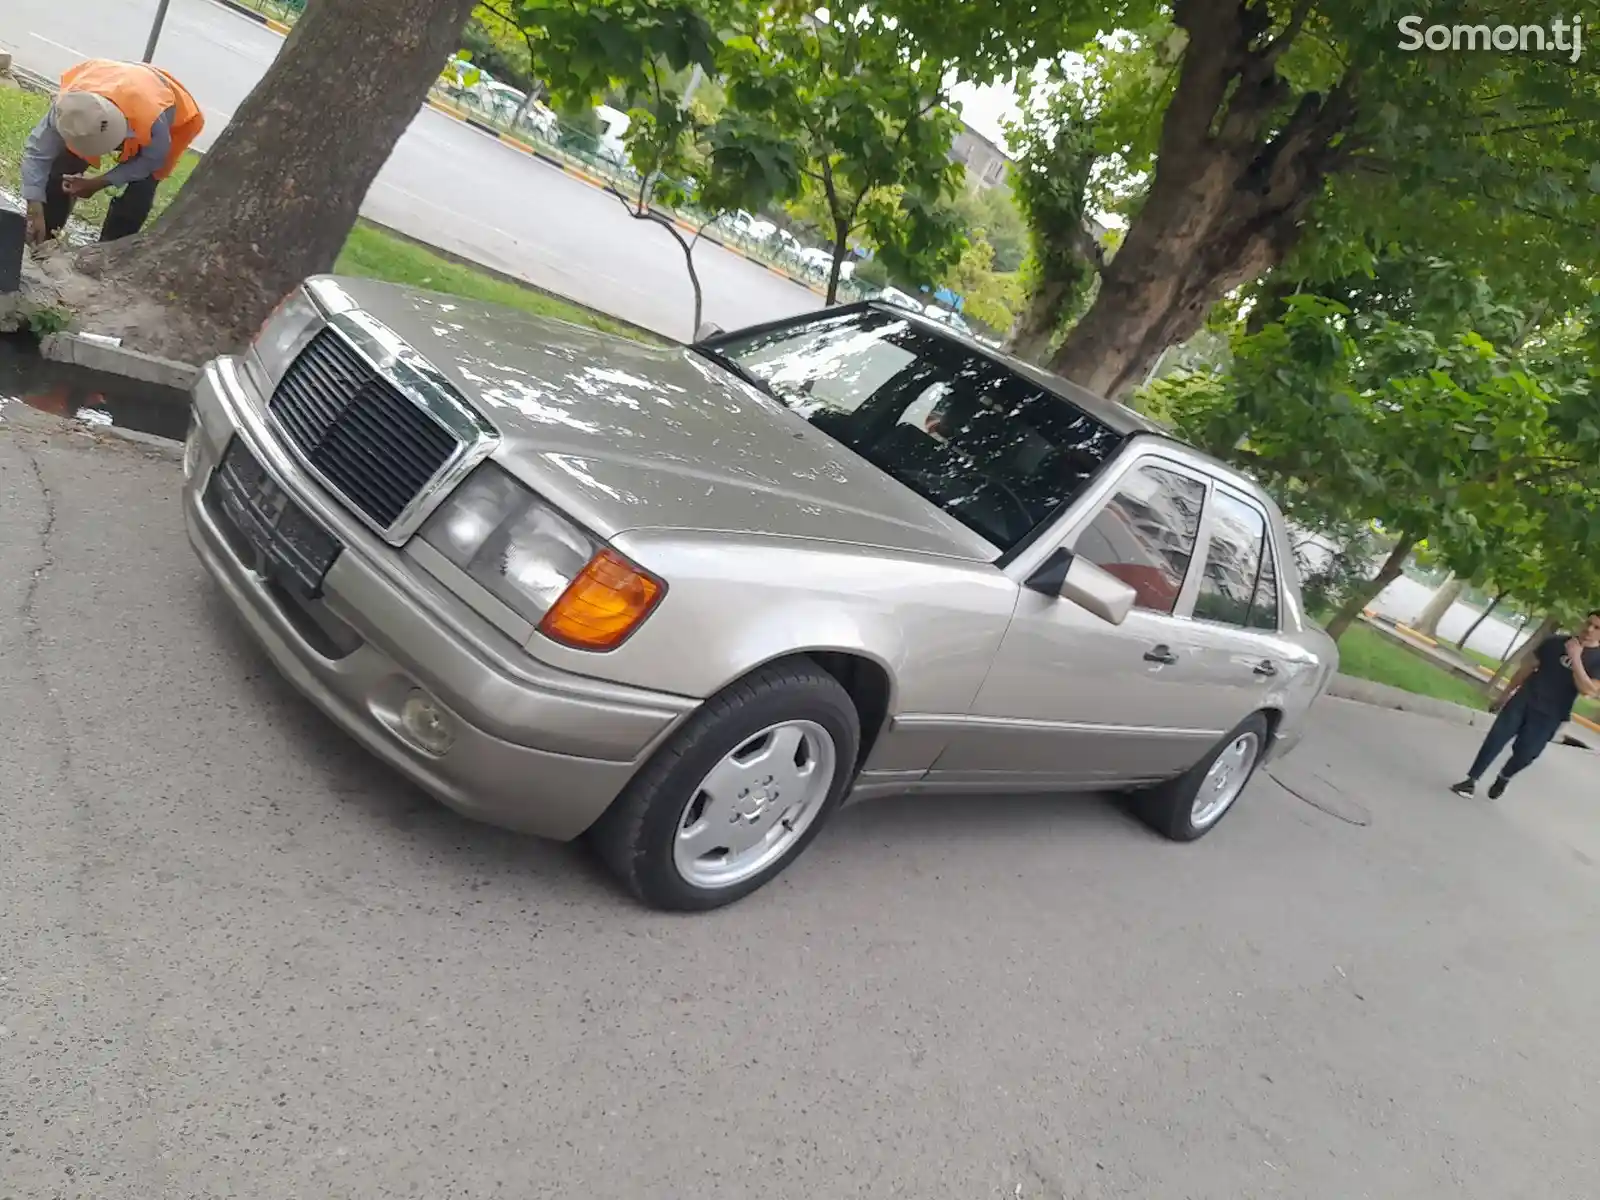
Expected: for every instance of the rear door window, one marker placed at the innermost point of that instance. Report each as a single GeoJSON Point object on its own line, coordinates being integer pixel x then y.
{"type": "Point", "coordinates": [1233, 561]}
{"type": "Point", "coordinates": [1264, 612]}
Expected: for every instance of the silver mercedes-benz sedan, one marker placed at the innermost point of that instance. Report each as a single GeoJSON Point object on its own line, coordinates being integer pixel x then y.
{"type": "Point", "coordinates": [689, 600]}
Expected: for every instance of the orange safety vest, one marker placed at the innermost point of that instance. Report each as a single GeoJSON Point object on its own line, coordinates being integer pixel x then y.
{"type": "Point", "coordinates": [142, 93]}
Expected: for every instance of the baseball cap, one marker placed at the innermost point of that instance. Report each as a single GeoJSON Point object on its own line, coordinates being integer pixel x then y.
{"type": "Point", "coordinates": [89, 124]}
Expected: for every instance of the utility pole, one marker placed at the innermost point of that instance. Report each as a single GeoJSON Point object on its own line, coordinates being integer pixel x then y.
{"type": "Point", "coordinates": [155, 30]}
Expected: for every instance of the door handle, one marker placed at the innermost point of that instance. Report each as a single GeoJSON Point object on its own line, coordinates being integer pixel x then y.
{"type": "Point", "coordinates": [1160, 654]}
{"type": "Point", "coordinates": [1266, 667]}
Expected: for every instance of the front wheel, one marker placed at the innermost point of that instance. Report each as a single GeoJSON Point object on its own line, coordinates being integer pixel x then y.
{"type": "Point", "coordinates": [737, 794]}
{"type": "Point", "coordinates": [1187, 807]}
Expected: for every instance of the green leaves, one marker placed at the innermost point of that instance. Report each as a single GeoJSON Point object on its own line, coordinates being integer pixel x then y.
{"type": "Point", "coordinates": [585, 46]}
{"type": "Point", "coordinates": [1432, 429]}
{"type": "Point", "coordinates": [859, 101]}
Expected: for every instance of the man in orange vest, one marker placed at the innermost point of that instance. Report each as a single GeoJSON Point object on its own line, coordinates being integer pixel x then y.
{"type": "Point", "coordinates": [133, 110]}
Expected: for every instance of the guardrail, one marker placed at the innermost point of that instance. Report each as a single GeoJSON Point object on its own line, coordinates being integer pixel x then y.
{"type": "Point", "coordinates": [283, 11]}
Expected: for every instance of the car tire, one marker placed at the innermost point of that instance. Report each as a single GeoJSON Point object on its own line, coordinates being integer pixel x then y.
{"type": "Point", "coordinates": [688, 795]}
{"type": "Point", "coordinates": [1182, 809]}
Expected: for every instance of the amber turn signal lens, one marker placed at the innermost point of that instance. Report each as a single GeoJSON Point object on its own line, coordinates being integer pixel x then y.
{"type": "Point", "coordinates": [602, 605]}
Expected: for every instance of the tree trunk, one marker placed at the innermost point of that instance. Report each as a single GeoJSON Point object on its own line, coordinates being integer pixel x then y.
{"type": "Point", "coordinates": [1443, 601]}
{"type": "Point", "coordinates": [840, 236]}
{"type": "Point", "coordinates": [276, 196]}
{"type": "Point", "coordinates": [1036, 325]}
{"type": "Point", "coordinates": [1482, 617]}
{"type": "Point", "coordinates": [1233, 185]}
{"type": "Point", "coordinates": [1367, 592]}
{"type": "Point", "coordinates": [1512, 663]}
{"type": "Point", "coordinates": [522, 111]}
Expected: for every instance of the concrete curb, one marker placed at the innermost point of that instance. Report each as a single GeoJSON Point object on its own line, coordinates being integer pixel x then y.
{"type": "Point", "coordinates": [96, 355]}
{"type": "Point", "coordinates": [1379, 695]}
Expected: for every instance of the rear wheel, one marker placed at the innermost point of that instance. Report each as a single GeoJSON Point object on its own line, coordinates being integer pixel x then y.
{"type": "Point", "coordinates": [737, 794]}
{"type": "Point", "coordinates": [1188, 807]}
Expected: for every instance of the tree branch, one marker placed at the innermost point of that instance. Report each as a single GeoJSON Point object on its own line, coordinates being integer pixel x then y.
{"type": "Point", "coordinates": [527, 36]}
{"type": "Point", "coordinates": [1273, 50]}
{"type": "Point", "coordinates": [627, 201]}
{"type": "Point", "coordinates": [1539, 125]}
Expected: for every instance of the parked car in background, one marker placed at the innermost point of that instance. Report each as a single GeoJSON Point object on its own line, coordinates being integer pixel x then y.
{"type": "Point", "coordinates": [499, 102]}
{"type": "Point", "coordinates": [541, 120]}
{"type": "Point", "coordinates": [460, 74]}
{"type": "Point", "coordinates": [894, 296]}
{"type": "Point", "coordinates": [613, 128]}
{"type": "Point", "coordinates": [818, 262]}
{"type": "Point", "coordinates": [747, 226]}
{"type": "Point", "coordinates": [687, 600]}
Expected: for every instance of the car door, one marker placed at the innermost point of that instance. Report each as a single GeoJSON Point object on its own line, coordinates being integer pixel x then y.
{"type": "Point", "coordinates": [1073, 700]}
{"type": "Point", "coordinates": [1235, 612]}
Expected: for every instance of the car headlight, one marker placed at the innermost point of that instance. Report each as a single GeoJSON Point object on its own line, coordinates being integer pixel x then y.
{"type": "Point", "coordinates": [545, 568]}
{"type": "Point", "coordinates": [281, 338]}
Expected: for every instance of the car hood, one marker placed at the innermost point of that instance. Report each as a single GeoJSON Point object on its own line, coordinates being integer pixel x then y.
{"type": "Point", "coordinates": [624, 435]}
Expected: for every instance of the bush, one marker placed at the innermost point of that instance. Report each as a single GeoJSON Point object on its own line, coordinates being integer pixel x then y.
{"type": "Point", "coordinates": [501, 52]}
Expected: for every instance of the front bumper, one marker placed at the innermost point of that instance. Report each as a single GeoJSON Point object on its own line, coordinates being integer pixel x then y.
{"type": "Point", "coordinates": [535, 749]}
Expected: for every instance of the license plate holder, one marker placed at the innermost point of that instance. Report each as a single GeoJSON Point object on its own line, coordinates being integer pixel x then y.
{"type": "Point", "coordinates": [291, 548]}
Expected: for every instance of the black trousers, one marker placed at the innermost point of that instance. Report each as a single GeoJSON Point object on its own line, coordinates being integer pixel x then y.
{"type": "Point", "coordinates": [127, 214]}
{"type": "Point", "coordinates": [1522, 728]}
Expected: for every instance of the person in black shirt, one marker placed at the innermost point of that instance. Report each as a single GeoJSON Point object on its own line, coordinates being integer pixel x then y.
{"type": "Point", "coordinates": [1536, 703]}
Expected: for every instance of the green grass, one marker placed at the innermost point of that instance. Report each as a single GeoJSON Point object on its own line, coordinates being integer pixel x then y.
{"type": "Point", "coordinates": [369, 251]}
{"type": "Point", "coordinates": [1367, 654]}
{"type": "Point", "coordinates": [377, 254]}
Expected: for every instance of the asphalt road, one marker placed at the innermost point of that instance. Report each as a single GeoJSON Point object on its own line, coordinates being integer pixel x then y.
{"type": "Point", "coordinates": [240, 959]}
{"type": "Point", "coordinates": [446, 183]}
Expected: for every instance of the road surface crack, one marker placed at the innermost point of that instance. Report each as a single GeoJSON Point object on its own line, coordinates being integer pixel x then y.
{"type": "Point", "coordinates": [33, 628]}
{"type": "Point", "coordinates": [89, 919]}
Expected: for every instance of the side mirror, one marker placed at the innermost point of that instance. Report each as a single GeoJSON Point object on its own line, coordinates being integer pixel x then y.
{"type": "Point", "coordinates": [706, 330]}
{"type": "Point", "coordinates": [1066, 575]}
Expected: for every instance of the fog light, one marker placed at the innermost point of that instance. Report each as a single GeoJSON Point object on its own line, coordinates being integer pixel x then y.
{"type": "Point", "coordinates": [427, 724]}
{"type": "Point", "coordinates": [191, 449]}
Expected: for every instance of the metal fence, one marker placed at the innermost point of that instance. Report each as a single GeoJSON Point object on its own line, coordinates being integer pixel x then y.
{"type": "Point", "coordinates": [285, 11]}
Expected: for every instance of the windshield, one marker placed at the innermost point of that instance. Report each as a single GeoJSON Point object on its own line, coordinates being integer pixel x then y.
{"type": "Point", "coordinates": [998, 453]}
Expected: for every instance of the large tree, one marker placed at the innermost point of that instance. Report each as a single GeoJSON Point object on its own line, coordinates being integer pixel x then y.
{"type": "Point", "coordinates": [1274, 116]}
{"type": "Point", "coordinates": [276, 195]}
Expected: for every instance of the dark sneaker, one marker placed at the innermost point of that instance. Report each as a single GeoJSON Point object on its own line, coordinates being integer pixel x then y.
{"type": "Point", "coordinates": [1497, 788]}
{"type": "Point", "coordinates": [1466, 787]}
